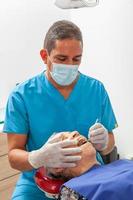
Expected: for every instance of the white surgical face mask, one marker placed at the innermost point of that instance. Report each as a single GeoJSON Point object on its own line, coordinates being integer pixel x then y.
{"type": "Point", "coordinates": [64, 74]}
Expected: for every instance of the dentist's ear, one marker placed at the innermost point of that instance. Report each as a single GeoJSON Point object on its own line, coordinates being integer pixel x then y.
{"type": "Point", "coordinates": [44, 55]}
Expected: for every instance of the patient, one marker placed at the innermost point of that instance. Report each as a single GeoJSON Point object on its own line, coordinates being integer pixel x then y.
{"type": "Point", "coordinates": [91, 181]}
{"type": "Point", "coordinates": [50, 180]}
{"type": "Point", "coordinates": [87, 161]}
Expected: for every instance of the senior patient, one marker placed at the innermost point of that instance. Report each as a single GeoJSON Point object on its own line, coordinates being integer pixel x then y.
{"type": "Point", "coordinates": [88, 158]}
{"type": "Point", "coordinates": [92, 181]}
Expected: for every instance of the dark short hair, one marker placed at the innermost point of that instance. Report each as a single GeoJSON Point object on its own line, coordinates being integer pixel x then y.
{"type": "Point", "coordinates": [61, 30]}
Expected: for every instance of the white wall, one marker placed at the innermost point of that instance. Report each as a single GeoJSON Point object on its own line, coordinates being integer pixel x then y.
{"type": "Point", "coordinates": [23, 24]}
{"type": "Point", "coordinates": [108, 46]}
{"type": "Point", "coordinates": [108, 56]}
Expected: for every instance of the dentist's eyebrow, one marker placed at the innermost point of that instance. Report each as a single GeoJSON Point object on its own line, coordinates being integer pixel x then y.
{"type": "Point", "coordinates": [65, 56]}
{"type": "Point", "coordinates": [78, 56]}
{"type": "Point", "coordinates": [61, 55]}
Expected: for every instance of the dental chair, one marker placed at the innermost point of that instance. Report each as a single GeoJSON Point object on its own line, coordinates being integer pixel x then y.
{"type": "Point", "coordinates": [112, 156]}
{"type": "Point", "coordinates": [66, 193]}
{"type": "Point", "coordinates": [51, 187]}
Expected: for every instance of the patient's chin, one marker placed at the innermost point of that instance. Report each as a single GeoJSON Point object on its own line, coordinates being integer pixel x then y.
{"type": "Point", "coordinates": [75, 171]}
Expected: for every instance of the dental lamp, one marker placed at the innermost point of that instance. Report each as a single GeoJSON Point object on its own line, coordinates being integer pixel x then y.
{"type": "Point", "coordinates": [70, 4]}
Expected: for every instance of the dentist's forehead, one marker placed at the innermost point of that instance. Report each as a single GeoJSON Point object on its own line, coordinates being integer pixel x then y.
{"type": "Point", "coordinates": [68, 45]}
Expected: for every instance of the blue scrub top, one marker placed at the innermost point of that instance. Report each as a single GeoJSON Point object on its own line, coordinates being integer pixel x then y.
{"type": "Point", "coordinates": [37, 109]}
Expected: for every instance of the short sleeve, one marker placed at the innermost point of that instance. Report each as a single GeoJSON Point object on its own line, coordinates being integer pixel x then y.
{"type": "Point", "coordinates": [108, 118]}
{"type": "Point", "coordinates": [16, 120]}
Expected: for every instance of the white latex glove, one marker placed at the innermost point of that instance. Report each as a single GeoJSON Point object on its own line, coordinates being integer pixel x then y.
{"type": "Point", "coordinates": [98, 136]}
{"type": "Point", "coordinates": [55, 153]}
{"type": "Point", "coordinates": [68, 4]}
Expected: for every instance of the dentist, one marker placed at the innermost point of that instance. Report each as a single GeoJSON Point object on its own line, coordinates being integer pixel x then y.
{"type": "Point", "coordinates": [60, 99]}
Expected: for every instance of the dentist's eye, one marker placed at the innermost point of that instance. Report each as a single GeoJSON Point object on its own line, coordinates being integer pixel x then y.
{"type": "Point", "coordinates": [77, 59]}
{"type": "Point", "coordinates": [60, 60]}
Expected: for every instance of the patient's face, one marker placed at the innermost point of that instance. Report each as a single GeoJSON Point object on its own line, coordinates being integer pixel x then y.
{"type": "Point", "coordinates": [88, 159]}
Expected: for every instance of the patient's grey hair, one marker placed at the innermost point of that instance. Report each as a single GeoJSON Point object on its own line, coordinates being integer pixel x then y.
{"type": "Point", "coordinates": [61, 30]}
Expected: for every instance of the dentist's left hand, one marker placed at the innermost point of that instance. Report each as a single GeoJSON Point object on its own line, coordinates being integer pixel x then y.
{"type": "Point", "coordinates": [55, 153]}
{"type": "Point", "coordinates": [98, 136]}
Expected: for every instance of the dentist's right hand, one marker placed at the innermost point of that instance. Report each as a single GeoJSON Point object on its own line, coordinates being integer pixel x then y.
{"type": "Point", "coordinates": [55, 153]}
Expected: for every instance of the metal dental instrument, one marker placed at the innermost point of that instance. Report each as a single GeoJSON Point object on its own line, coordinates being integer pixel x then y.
{"type": "Point", "coordinates": [97, 120]}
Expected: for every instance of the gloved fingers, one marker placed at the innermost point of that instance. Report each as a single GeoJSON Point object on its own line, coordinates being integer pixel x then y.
{"type": "Point", "coordinates": [98, 131]}
{"type": "Point", "coordinates": [69, 151]}
{"type": "Point", "coordinates": [67, 143]}
{"type": "Point", "coordinates": [95, 126]}
{"type": "Point", "coordinates": [102, 141]}
{"type": "Point", "coordinates": [98, 146]}
{"type": "Point", "coordinates": [71, 158]}
{"type": "Point", "coordinates": [98, 137]}
{"type": "Point", "coordinates": [62, 164]}
{"type": "Point", "coordinates": [67, 165]}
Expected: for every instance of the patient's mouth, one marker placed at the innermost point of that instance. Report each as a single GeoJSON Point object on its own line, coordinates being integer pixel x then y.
{"type": "Point", "coordinates": [75, 135]}
{"type": "Point", "coordinates": [81, 140]}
